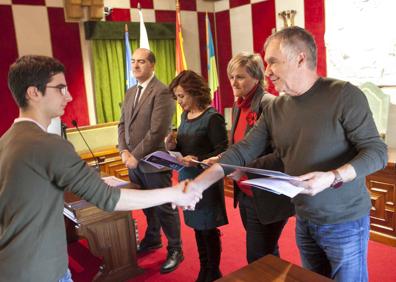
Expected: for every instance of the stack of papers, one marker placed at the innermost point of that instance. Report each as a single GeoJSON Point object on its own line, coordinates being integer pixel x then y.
{"type": "Point", "coordinates": [274, 181]}
{"type": "Point", "coordinates": [274, 185]}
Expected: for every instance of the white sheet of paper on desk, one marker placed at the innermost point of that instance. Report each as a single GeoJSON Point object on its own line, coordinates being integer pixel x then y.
{"type": "Point", "coordinates": [114, 181]}
{"type": "Point", "coordinates": [279, 186]}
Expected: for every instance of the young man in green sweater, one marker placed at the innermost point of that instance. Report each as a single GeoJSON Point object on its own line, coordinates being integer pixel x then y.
{"type": "Point", "coordinates": [324, 132]}
{"type": "Point", "coordinates": [37, 167]}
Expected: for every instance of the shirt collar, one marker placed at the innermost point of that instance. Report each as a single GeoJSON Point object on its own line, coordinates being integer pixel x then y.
{"type": "Point", "coordinates": [144, 84]}
{"type": "Point", "coordinates": [31, 120]}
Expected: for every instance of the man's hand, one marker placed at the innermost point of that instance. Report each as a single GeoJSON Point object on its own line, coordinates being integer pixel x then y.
{"type": "Point", "coordinates": [315, 182]}
{"type": "Point", "coordinates": [204, 180]}
{"type": "Point", "coordinates": [212, 160]}
{"type": "Point", "coordinates": [129, 160]}
{"type": "Point", "coordinates": [236, 175]}
{"type": "Point", "coordinates": [170, 141]}
{"type": "Point", "coordinates": [186, 196]}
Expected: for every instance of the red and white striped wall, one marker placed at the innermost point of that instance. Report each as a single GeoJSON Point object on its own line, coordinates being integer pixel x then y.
{"type": "Point", "coordinates": [38, 27]}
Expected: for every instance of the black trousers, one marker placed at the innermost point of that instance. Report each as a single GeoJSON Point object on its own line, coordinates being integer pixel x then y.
{"type": "Point", "coordinates": [160, 216]}
{"type": "Point", "coordinates": [261, 238]}
{"type": "Point", "coordinates": [209, 250]}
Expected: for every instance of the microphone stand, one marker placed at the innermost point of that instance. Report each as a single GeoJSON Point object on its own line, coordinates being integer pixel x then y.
{"type": "Point", "coordinates": [63, 131]}
{"type": "Point", "coordinates": [96, 166]}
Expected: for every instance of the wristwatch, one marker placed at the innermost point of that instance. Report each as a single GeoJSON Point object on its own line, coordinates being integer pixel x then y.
{"type": "Point", "coordinates": [337, 183]}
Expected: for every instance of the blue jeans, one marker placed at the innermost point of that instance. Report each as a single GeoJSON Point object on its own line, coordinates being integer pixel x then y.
{"type": "Point", "coordinates": [338, 251]}
{"type": "Point", "coordinates": [66, 277]}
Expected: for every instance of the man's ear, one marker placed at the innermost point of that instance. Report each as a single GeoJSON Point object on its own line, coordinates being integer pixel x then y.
{"type": "Point", "coordinates": [32, 93]}
{"type": "Point", "coordinates": [301, 59]}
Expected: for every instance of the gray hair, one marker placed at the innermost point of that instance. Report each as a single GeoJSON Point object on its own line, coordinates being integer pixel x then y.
{"type": "Point", "coordinates": [295, 40]}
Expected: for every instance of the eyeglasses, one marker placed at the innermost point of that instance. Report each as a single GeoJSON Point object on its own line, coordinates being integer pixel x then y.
{"type": "Point", "coordinates": [61, 88]}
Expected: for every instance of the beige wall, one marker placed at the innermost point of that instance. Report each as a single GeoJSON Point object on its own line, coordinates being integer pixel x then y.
{"type": "Point", "coordinates": [96, 138]}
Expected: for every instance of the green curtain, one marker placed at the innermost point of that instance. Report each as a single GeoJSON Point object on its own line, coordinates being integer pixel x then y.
{"type": "Point", "coordinates": [109, 72]}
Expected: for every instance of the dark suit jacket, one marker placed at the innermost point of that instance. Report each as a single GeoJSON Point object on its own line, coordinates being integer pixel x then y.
{"type": "Point", "coordinates": [142, 130]}
{"type": "Point", "coordinates": [270, 207]}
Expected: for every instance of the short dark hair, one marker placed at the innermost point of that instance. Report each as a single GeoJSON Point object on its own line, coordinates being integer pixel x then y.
{"type": "Point", "coordinates": [296, 39]}
{"type": "Point", "coordinates": [31, 70]}
{"type": "Point", "coordinates": [194, 85]}
{"type": "Point", "coordinates": [151, 57]}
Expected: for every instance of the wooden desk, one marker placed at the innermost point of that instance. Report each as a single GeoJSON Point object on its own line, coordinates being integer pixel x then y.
{"type": "Point", "coordinates": [111, 235]}
{"type": "Point", "coordinates": [382, 188]}
{"type": "Point", "coordinates": [271, 268]}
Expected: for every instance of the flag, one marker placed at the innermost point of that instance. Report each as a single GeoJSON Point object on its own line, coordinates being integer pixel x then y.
{"type": "Point", "coordinates": [213, 79]}
{"type": "Point", "coordinates": [144, 43]}
{"type": "Point", "coordinates": [130, 80]}
{"type": "Point", "coordinates": [181, 64]}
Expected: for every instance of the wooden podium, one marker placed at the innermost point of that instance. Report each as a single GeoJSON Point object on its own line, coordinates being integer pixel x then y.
{"type": "Point", "coordinates": [110, 235]}
{"type": "Point", "coordinates": [272, 268]}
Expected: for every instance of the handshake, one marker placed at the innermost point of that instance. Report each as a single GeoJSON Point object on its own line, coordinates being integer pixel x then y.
{"type": "Point", "coordinates": [187, 195]}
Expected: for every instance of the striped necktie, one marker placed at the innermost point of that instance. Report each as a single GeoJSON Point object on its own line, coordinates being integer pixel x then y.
{"type": "Point", "coordinates": [137, 97]}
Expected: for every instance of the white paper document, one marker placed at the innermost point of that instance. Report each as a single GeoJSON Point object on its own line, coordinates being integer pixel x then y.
{"type": "Point", "coordinates": [276, 185]}
{"type": "Point", "coordinates": [265, 172]}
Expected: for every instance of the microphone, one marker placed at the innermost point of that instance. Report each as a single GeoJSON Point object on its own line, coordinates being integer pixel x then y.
{"type": "Point", "coordinates": [63, 130]}
{"type": "Point", "coordinates": [96, 167]}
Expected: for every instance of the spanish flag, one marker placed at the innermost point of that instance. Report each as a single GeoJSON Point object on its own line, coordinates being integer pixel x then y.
{"type": "Point", "coordinates": [181, 64]}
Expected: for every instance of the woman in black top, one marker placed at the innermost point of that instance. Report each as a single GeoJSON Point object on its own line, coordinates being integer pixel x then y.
{"type": "Point", "coordinates": [201, 135]}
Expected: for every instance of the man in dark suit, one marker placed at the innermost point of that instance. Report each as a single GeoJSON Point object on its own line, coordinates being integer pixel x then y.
{"type": "Point", "coordinates": [145, 121]}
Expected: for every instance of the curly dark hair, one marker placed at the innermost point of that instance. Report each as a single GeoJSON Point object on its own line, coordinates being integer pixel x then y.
{"type": "Point", "coordinates": [194, 85]}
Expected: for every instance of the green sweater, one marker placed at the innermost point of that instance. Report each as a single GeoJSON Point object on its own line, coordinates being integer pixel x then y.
{"type": "Point", "coordinates": [36, 168]}
{"type": "Point", "coordinates": [329, 125]}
